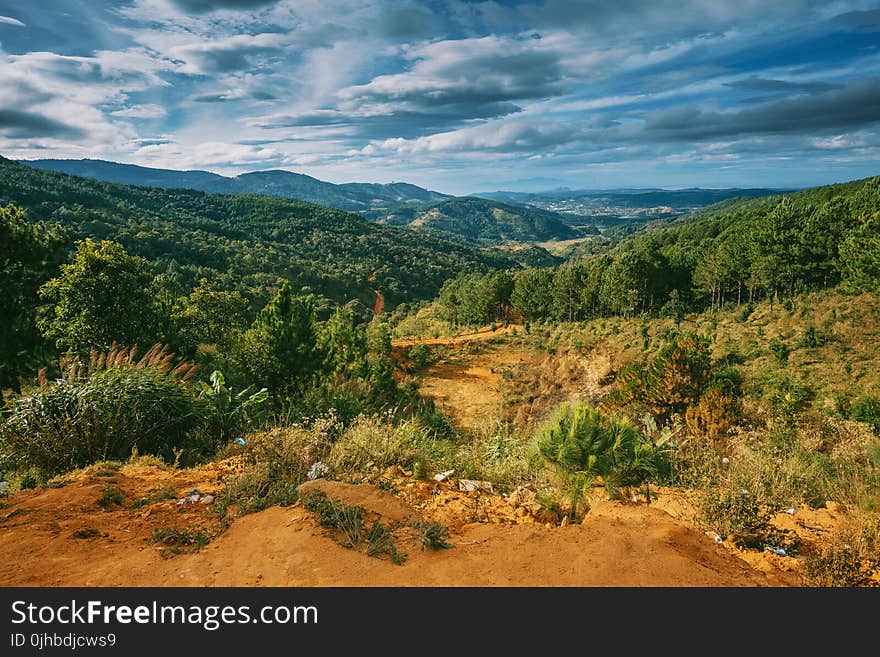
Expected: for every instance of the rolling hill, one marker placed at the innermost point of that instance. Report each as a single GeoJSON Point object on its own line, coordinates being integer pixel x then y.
{"type": "Point", "coordinates": [486, 221]}
{"type": "Point", "coordinates": [352, 197]}
{"type": "Point", "coordinates": [248, 242]}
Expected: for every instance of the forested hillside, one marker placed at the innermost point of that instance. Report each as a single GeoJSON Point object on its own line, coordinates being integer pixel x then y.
{"type": "Point", "coordinates": [734, 253]}
{"type": "Point", "coordinates": [246, 243]}
{"type": "Point", "coordinates": [486, 221]}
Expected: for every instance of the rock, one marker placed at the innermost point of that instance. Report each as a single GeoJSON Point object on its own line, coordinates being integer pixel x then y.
{"type": "Point", "coordinates": [207, 499]}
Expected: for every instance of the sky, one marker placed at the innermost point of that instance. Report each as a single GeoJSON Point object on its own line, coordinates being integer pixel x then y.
{"type": "Point", "coordinates": [455, 96]}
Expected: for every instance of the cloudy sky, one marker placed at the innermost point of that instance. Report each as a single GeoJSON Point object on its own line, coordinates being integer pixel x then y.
{"type": "Point", "coordinates": [453, 95]}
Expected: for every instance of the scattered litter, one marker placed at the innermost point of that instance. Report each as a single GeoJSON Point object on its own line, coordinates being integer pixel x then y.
{"type": "Point", "coordinates": [725, 460]}
{"type": "Point", "coordinates": [3, 486]}
{"type": "Point", "coordinates": [442, 476]}
{"type": "Point", "coordinates": [790, 511]}
{"type": "Point", "coordinates": [239, 441]}
{"type": "Point", "coordinates": [192, 497]}
{"type": "Point", "coordinates": [207, 499]}
{"type": "Point", "coordinates": [468, 485]}
{"type": "Point", "coordinates": [718, 539]}
{"type": "Point", "coordinates": [744, 492]}
{"type": "Point", "coordinates": [635, 499]}
{"type": "Point", "coordinates": [779, 552]}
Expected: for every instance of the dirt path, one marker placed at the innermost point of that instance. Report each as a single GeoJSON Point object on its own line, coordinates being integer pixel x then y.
{"type": "Point", "coordinates": [469, 386]}
{"type": "Point", "coordinates": [619, 545]}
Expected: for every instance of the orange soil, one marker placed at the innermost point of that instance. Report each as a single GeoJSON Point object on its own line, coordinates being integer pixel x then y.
{"type": "Point", "coordinates": [618, 545]}
{"type": "Point", "coordinates": [470, 389]}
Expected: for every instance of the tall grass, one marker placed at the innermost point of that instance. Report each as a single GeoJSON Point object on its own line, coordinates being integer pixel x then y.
{"type": "Point", "coordinates": [104, 409]}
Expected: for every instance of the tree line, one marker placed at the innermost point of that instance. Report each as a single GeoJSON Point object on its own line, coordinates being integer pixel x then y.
{"type": "Point", "coordinates": [772, 248]}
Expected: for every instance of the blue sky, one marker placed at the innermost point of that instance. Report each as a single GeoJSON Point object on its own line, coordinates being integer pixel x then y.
{"type": "Point", "coordinates": [455, 96]}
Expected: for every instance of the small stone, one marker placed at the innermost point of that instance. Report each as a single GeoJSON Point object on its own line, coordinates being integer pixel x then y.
{"type": "Point", "coordinates": [207, 499]}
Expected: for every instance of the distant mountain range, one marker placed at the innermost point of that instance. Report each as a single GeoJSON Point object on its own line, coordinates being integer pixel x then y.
{"type": "Point", "coordinates": [576, 201]}
{"type": "Point", "coordinates": [488, 218]}
{"type": "Point", "coordinates": [399, 204]}
{"type": "Point", "coordinates": [353, 197]}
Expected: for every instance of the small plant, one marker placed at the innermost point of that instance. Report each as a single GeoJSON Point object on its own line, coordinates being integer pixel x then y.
{"type": "Point", "coordinates": [836, 565]}
{"type": "Point", "coordinates": [732, 513]}
{"type": "Point", "coordinates": [812, 338]}
{"type": "Point", "coordinates": [432, 535]}
{"type": "Point", "coordinates": [347, 525]}
{"type": "Point", "coordinates": [582, 444]}
{"type": "Point", "coordinates": [156, 495]}
{"type": "Point", "coordinates": [230, 414]}
{"type": "Point", "coordinates": [867, 409]}
{"type": "Point", "coordinates": [780, 351]}
{"type": "Point", "coordinates": [110, 496]}
{"type": "Point", "coordinates": [177, 540]}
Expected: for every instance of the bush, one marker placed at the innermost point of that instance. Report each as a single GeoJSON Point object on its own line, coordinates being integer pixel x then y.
{"type": "Point", "coordinates": [867, 409]}
{"type": "Point", "coordinates": [104, 411]}
{"type": "Point", "coordinates": [713, 416]}
{"type": "Point", "coordinates": [780, 351]}
{"type": "Point", "coordinates": [731, 513]}
{"type": "Point", "coordinates": [582, 443]}
{"type": "Point", "coordinates": [276, 462]}
{"type": "Point", "coordinates": [672, 380]}
{"type": "Point", "coordinates": [229, 415]}
{"type": "Point", "coordinates": [376, 440]}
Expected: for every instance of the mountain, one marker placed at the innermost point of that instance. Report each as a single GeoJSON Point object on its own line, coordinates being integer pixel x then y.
{"type": "Point", "coordinates": [486, 221]}
{"type": "Point", "coordinates": [248, 242]}
{"type": "Point", "coordinates": [130, 174]}
{"type": "Point", "coordinates": [353, 197]}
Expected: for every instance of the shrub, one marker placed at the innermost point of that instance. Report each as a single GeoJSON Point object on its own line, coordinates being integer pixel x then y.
{"type": "Point", "coordinates": [713, 416]}
{"type": "Point", "coordinates": [867, 409]}
{"type": "Point", "coordinates": [376, 440]}
{"type": "Point", "coordinates": [276, 462]}
{"type": "Point", "coordinates": [836, 565]}
{"type": "Point", "coordinates": [110, 495]}
{"type": "Point", "coordinates": [432, 535]}
{"type": "Point", "coordinates": [780, 351]}
{"type": "Point", "coordinates": [347, 525]}
{"type": "Point", "coordinates": [419, 356]}
{"type": "Point", "coordinates": [673, 379]}
{"type": "Point", "coordinates": [730, 513]}
{"type": "Point", "coordinates": [229, 414]}
{"type": "Point", "coordinates": [104, 410]}
{"type": "Point", "coordinates": [583, 444]}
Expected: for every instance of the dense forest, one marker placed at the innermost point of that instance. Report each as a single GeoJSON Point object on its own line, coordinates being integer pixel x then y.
{"type": "Point", "coordinates": [186, 268]}
{"type": "Point", "coordinates": [247, 243]}
{"type": "Point", "coordinates": [734, 253]}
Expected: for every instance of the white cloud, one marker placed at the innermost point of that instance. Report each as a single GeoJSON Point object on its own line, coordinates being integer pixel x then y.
{"type": "Point", "coordinates": [142, 112]}
{"type": "Point", "coordinates": [6, 20]}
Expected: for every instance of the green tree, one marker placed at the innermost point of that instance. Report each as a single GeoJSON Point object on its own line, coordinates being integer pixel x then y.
{"type": "Point", "coordinates": [103, 296]}
{"type": "Point", "coordinates": [860, 256]}
{"type": "Point", "coordinates": [28, 254]}
{"type": "Point", "coordinates": [532, 293]}
{"type": "Point", "coordinates": [280, 349]}
{"type": "Point", "coordinates": [210, 315]}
